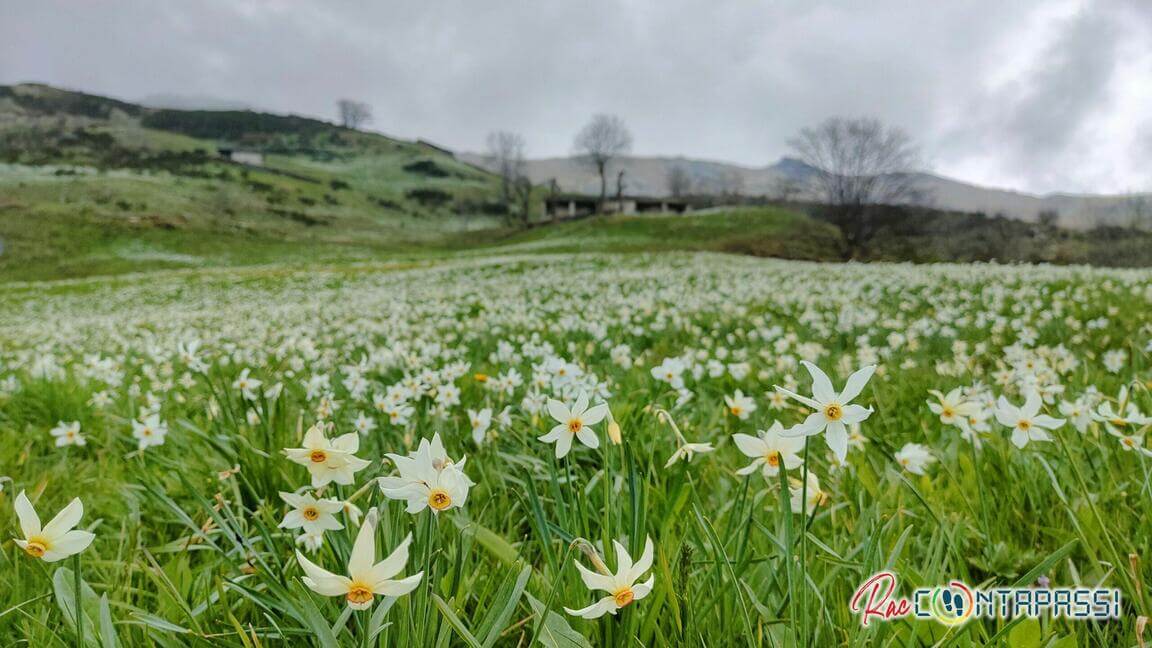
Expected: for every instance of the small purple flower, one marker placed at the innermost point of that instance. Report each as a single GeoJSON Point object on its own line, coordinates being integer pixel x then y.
{"type": "Point", "coordinates": [1043, 582]}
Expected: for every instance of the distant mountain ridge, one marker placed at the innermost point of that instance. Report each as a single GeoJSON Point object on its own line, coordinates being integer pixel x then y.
{"type": "Point", "coordinates": [649, 176]}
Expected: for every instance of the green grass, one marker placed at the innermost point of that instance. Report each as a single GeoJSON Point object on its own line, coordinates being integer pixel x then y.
{"type": "Point", "coordinates": [187, 556]}
{"type": "Point", "coordinates": [757, 231]}
{"type": "Point", "coordinates": [69, 226]}
{"type": "Point", "coordinates": [87, 186]}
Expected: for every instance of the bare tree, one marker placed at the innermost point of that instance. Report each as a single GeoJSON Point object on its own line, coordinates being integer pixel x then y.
{"type": "Point", "coordinates": [679, 182]}
{"type": "Point", "coordinates": [602, 140]}
{"type": "Point", "coordinates": [506, 157]}
{"type": "Point", "coordinates": [860, 163]}
{"type": "Point", "coordinates": [522, 187]}
{"type": "Point", "coordinates": [1048, 217]}
{"type": "Point", "coordinates": [620, 184]}
{"type": "Point", "coordinates": [1136, 210]}
{"type": "Point", "coordinates": [353, 114]}
{"type": "Point", "coordinates": [785, 188]}
{"type": "Point", "coordinates": [732, 185]}
{"type": "Point", "coordinates": [553, 191]}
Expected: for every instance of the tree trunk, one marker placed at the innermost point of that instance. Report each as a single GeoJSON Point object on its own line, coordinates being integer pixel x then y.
{"type": "Point", "coordinates": [601, 167]}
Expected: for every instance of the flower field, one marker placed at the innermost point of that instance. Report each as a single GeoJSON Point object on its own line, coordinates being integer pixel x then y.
{"type": "Point", "coordinates": [572, 450]}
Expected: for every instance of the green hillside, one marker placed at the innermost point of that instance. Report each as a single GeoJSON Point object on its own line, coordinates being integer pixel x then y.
{"type": "Point", "coordinates": [94, 185]}
{"type": "Point", "coordinates": [757, 231]}
{"type": "Point", "coordinates": [91, 185]}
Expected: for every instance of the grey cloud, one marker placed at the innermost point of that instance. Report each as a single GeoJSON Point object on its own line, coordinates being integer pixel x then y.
{"type": "Point", "coordinates": [720, 80]}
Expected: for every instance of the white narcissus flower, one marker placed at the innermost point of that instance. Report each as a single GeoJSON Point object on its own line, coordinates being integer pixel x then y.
{"type": "Point", "coordinates": [769, 451]}
{"type": "Point", "coordinates": [273, 392]}
{"type": "Point", "coordinates": [353, 512]}
{"type": "Point", "coordinates": [915, 458]}
{"type": "Point", "coordinates": [328, 460]}
{"type": "Point", "coordinates": [311, 514]}
{"type": "Point", "coordinates": [1115, 360]}
{"type": "Point", "coordinates": [428, 479]}
{"type": "Point", "coordinates": [68, 434]}
{"type": "Point", "coordinates": [150, 431]}
{"type": "Point", "coordinates": [312, 541]}
{"type": "Point", "coordinates": [504, 418]}
{"type": "Point", "coordinates": [1128, 441]}
{"type": "Point", "coordinates": [1078, 412]}
{"type": "Point", "coordinates": [621, 587]}
{"type": "Point", "coordinates": [247, 386]}
{"type": "Point", "coordinates": [1124, 417]}
{"type": "Point", "coordinates": [188, 355]}
{"type": "Point", "coordinates": [776, 399]}
{"type": "Point", "coordinates": [952, 408]}
{"type": "Point", "coordinates": [687, 451]}
{"type": "Point", "coordinates": [815, 495]}
{"type": "Point", "coordinates": [670, 371]}
{"type": "Point", "coordinates": [56, 540]}
{"type": "Point", "coordinates": [739, 405]}
{"type": "Point", "coordinates": [574, 423]}
{"type": "Point", "coordinates": [480, 422]}
{"type": "Point", "coordinates": [366, 578]}
{"type": "Point", "coordinates": [834, 411]}
{"type": "Point", "coordinates": [1027, 423]}
{"type": "Point", "coordinates": [364, 424]}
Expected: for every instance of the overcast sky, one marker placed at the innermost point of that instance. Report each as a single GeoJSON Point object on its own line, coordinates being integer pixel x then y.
{"type": "Point", "coordinates": [1037, 95]}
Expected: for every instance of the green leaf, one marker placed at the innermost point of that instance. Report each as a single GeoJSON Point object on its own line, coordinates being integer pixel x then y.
{"type": "Point", "coordinates": [455, 622]}
{"type": "Point", "coordinates": [108, 638]}
{"type": "Point", "coordinates": [496, 545]}
{"type": "Point", "coordinates": [158, 623]}
{"type": "Point", "coordinates": [1046, 564]}
{"type": "Point", "coordinates": [376, 624]}
{"type": "Point", "coordinates": [497, 618]}
{"type": "Point", "coordinates": [314, 620]}
{"type": "Point", "coordinates": [64, 587]}
{"type": "Point", "coordinates": [555, 631]}
{"type": "Point", "coordinates": [1026, 634]}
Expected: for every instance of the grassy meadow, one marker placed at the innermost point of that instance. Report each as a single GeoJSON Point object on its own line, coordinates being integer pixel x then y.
{"type": "Point", "coordinates": [235, 434]}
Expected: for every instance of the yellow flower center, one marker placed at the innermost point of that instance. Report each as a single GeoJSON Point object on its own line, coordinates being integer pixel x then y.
{"type": "Point", "coordinates": [1119, 422]}
{"type": "Point", "coordinates": [773, 458]}
{"type": "Point", "coordinates": [1024, 424]}
{"type": "Point", "coordinates": [947, 412]}
{"type": "Point", "coordinates": [1128, 442]}
{"type": "Point", "coordinates": [359, 593]}
{"type": "Point", "coordinates": [575, 425]}
{"type": "Point", "coordinates": [439, 499]}
{"type": "Point", "coordinates": [318, 456]}
{"type": "Point", "coordinates": [310, 513]}
{"type": "Point", "coordinates": [624, 596]}
{"type": "Point", "coordinates": [736, 410]}
{"type": "Point", "coordinates": [833, 412]}
{"type": "Point", "coordinates": [36, 547]}
{"type": "Point", "coordinates": [481, 377]}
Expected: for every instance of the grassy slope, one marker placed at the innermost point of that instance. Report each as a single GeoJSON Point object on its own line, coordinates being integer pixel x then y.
{"type": "Point", "coordinates": [88, 189]}
{"type": "Point", "coordinates": [760, 231]}
{"type": "Point", "coordinates": [91, 186]}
